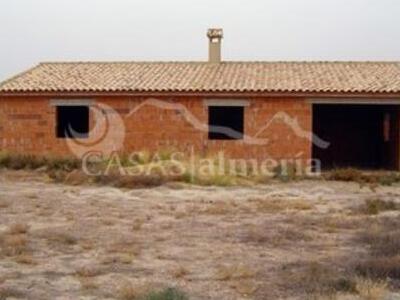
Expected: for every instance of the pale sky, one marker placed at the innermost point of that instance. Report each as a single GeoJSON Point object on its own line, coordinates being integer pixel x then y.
{"type": "Point", "coordinates": [32, 31]}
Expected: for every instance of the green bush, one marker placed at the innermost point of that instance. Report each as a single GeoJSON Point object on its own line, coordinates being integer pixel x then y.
{"type": "Point", "coordinates": [32, 162]}
{"type": "Point", "coordinates": [375, 205]}
{"type": "Point", "coordinates": [166, 294]}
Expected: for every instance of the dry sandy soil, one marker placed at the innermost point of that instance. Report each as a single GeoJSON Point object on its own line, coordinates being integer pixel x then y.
{"type": "Point", "coordinates": [88, 242]}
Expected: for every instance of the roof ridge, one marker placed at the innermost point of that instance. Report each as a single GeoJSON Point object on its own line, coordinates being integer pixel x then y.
{"type": "Point", "coordinates": [206, 62]}
{"type": "Point", "coordinates": [226, 62]}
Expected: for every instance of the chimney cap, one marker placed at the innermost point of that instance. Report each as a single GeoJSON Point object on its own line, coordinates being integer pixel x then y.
{"type": "Point", "coordinates": [215, 33]}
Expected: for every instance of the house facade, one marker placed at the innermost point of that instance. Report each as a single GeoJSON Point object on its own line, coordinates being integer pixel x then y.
{"type": "Point", "coordinates": [342, 113]}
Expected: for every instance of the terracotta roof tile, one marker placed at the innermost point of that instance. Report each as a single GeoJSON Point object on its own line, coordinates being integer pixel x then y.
{"type": "Point", "coordinates": [382, 77]}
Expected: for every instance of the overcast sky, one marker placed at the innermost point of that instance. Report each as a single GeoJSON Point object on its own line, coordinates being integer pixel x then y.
{"type": "Point", "coordinates": [32, 31]}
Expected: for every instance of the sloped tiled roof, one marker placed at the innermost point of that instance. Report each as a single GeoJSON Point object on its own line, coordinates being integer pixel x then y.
{"type": "Point", "coordinates": [351, 77]}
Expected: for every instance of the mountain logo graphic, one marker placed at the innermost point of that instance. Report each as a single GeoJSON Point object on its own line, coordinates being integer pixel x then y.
{"type": "Point", "coordinates": [107, 134]}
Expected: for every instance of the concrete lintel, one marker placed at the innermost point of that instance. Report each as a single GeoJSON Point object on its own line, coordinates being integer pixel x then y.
{"type": "Point", "coordinates": [226, 102]}
{"type": "Point", "coordinates": [72, 102]}
{"type": "Point", "coordinates": [352, 101]}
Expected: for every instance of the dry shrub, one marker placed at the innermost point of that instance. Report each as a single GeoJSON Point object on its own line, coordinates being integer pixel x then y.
{"type": "Point", "coordinates": [137, 224]}
{"type": "Point", "coordinates": [124, 247]}
{"type": "Point", "coordinates": [18, 228]}
{"type": "Point", "coordinates": [4, 203]}
{"type": "Point", "coordinates": [117, 179]}
{"type": "Point", "coordinates": [87, 283]}
{"type": "Point", "coordinates": [215, 180]}
{"type": "Point", "coordinates": [180, 214]}
{"type": "Point", "coordinates": [286, 173]}
{"type": "Point", "coordinates": [379, 267]}
{"type": "Point", "coordinates": [316, 278]}
{"type": "Point", "coordinates": [129, 291]}
{"type": "Point", "coordinates": [389, 179]}
{"type": "Point", "coordinates": [165, 294]}
{"type": "Point", "coordinates": [363, 178]}
{"type": "Point", "coordinates": [383, 243]}
{"type": "Point", "coordinates": [12, 245]}
{"type": "Point", "coordinates": [245, 287]}
{"type": "Point", "coordinates": [275, 235]}
{"type": "Point", "coordinates": [180, 272]}
{"type": "Point", "coordinates": [382, 238]}
{"type": "Point", "coordinates": [219, 208]}
{"type": "Point", "coordinates": [371, 290]}
{"type": "Point", "coordinates": [239, 271]}
{"type": "Point", "coordinates": [334, 223]}
{"type": "Point", "coordinates": [25, 259]}
{"type": "Point", "coordinates": [59, 237]}
{"type": "Point", "coordinates": [76, 177]}
{"type": "Point", "coordinates": [346, 174]}
{"type": "Point", "coordinates": [17, 161]}
{"type": "Point", "coordinates": [87, 245]}
{"type": "Point", "coordinates": [123, 258]}
{"type": "Point", "coordinates": [277, 205]}
{"type": "Point", "coordinates": [374, 206]}
{"type": "Point", "coordinates": [108, 222]}
{"type": "Point", "coordinates": [88, 271]}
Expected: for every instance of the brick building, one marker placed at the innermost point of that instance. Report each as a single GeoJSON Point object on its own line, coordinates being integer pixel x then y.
{"type": "Point", "coordinates": [354, 106]}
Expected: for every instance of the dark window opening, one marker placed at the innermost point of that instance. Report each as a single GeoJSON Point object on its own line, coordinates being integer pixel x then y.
{"type": "Point", "coordinates": [72, 121]}
{"type": "Point", "coordinates": [225, 122]}
{"type": "Point", "coordinates": [360, 136]}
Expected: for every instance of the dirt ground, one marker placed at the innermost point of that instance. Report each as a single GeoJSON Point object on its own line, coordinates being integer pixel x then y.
{"type": "Point", "coordinates": [88, 242]}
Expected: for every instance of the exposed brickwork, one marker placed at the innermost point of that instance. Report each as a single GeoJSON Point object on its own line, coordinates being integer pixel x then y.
{"type": "Point", "coordinates": [27, 125]}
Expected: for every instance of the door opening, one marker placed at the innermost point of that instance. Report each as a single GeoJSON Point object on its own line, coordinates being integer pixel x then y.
{"type": "Point", "coordinates": [361, 135]}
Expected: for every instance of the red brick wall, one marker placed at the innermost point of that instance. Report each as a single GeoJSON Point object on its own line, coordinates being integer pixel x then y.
{"type": "Point", "coordinates": [27, 125]}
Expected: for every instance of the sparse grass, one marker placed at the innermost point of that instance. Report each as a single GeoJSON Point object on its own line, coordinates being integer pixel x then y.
{"type": "Point", "coordinates": [11, 293]}
{"type": "Point", "coordinates": [257, 236]}
{"type": "Point", "coordinates": [219, 208]}
{"type": "Point", "coordinates": [371, 290]}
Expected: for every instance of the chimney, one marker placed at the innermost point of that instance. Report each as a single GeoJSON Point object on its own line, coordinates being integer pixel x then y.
{"type": "Point", "coordinates": [215, 36]}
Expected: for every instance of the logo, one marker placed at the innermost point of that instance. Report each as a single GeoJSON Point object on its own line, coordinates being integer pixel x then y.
{"type": "Point", "coordinates": [106, 134]}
